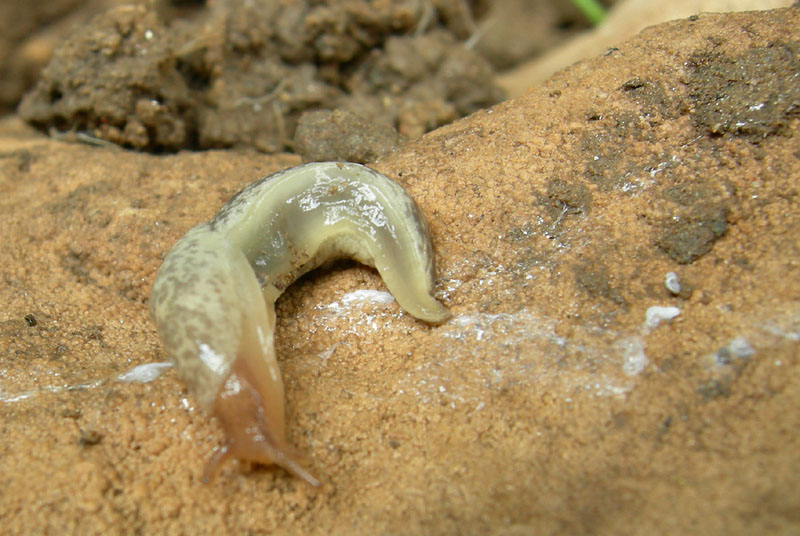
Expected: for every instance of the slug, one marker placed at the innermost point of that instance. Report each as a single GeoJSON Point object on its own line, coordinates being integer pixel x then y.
{"type": "Point", "coordinates": [213, 299]}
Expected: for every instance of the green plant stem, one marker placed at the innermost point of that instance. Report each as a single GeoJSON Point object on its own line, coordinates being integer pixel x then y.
{"type": "Point", "coordinates": [591, 9]}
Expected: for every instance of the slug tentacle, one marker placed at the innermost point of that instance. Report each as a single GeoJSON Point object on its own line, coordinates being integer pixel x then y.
{"type": "Point", "coordinates": [213, 297]}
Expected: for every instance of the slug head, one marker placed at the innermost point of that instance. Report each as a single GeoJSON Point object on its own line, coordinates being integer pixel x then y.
{"type": "Point", "coordinates": [249, 405]}
{"type": "Point", "coordinates": [252, 432]}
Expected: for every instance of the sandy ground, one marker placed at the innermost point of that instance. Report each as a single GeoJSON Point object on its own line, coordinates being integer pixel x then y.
{"type": "Point", "coordinates": [554, 401]}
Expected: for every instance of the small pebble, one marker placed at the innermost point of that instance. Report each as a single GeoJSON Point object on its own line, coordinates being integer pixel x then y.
{"type": "Point", "coordinates": [656, 314]}
{"type": "Point", "coordinates": [672, 283]}
{"type": "Point", "coordinates": [740, 348]}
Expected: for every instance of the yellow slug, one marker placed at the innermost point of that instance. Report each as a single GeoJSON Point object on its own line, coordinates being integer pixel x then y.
{"type": "Point", "coordinates": [213, 299]}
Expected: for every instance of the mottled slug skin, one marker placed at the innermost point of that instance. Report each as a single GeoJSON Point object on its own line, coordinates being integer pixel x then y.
{"type": "Point", "coordinates": [213, 299]}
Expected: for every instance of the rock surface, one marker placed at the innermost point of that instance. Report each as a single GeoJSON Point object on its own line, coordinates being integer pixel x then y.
{"type": "Point", "coordinates": [565, 396]}
{"type": "Point", "coordinates": [625, 19]}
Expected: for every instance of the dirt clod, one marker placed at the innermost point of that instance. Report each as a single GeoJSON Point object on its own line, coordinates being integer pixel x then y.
{"type": "Point", "coordinates": [237, 73]}
{"type": "Point", "coordinates": [687, 240]}
{"type": "Point", "coordinates": [339, 135]}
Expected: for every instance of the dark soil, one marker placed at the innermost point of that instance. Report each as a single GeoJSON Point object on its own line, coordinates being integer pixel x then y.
{"type": "Point", "coordinates": [239, 73]}
{"type": "Point", "coordinates": [29, 32]}
{"type": "Point", "coordinates": [754, 95]}
{"type": "Point", "coordinates": [324, 135]}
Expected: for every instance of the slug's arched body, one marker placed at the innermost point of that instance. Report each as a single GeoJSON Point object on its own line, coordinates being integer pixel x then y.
{"type": "Point", "coordinates": [213, 299]}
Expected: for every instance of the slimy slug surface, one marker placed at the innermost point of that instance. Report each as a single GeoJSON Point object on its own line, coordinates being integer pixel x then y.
{"type": "Point", "coordinates": [213, 299]}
